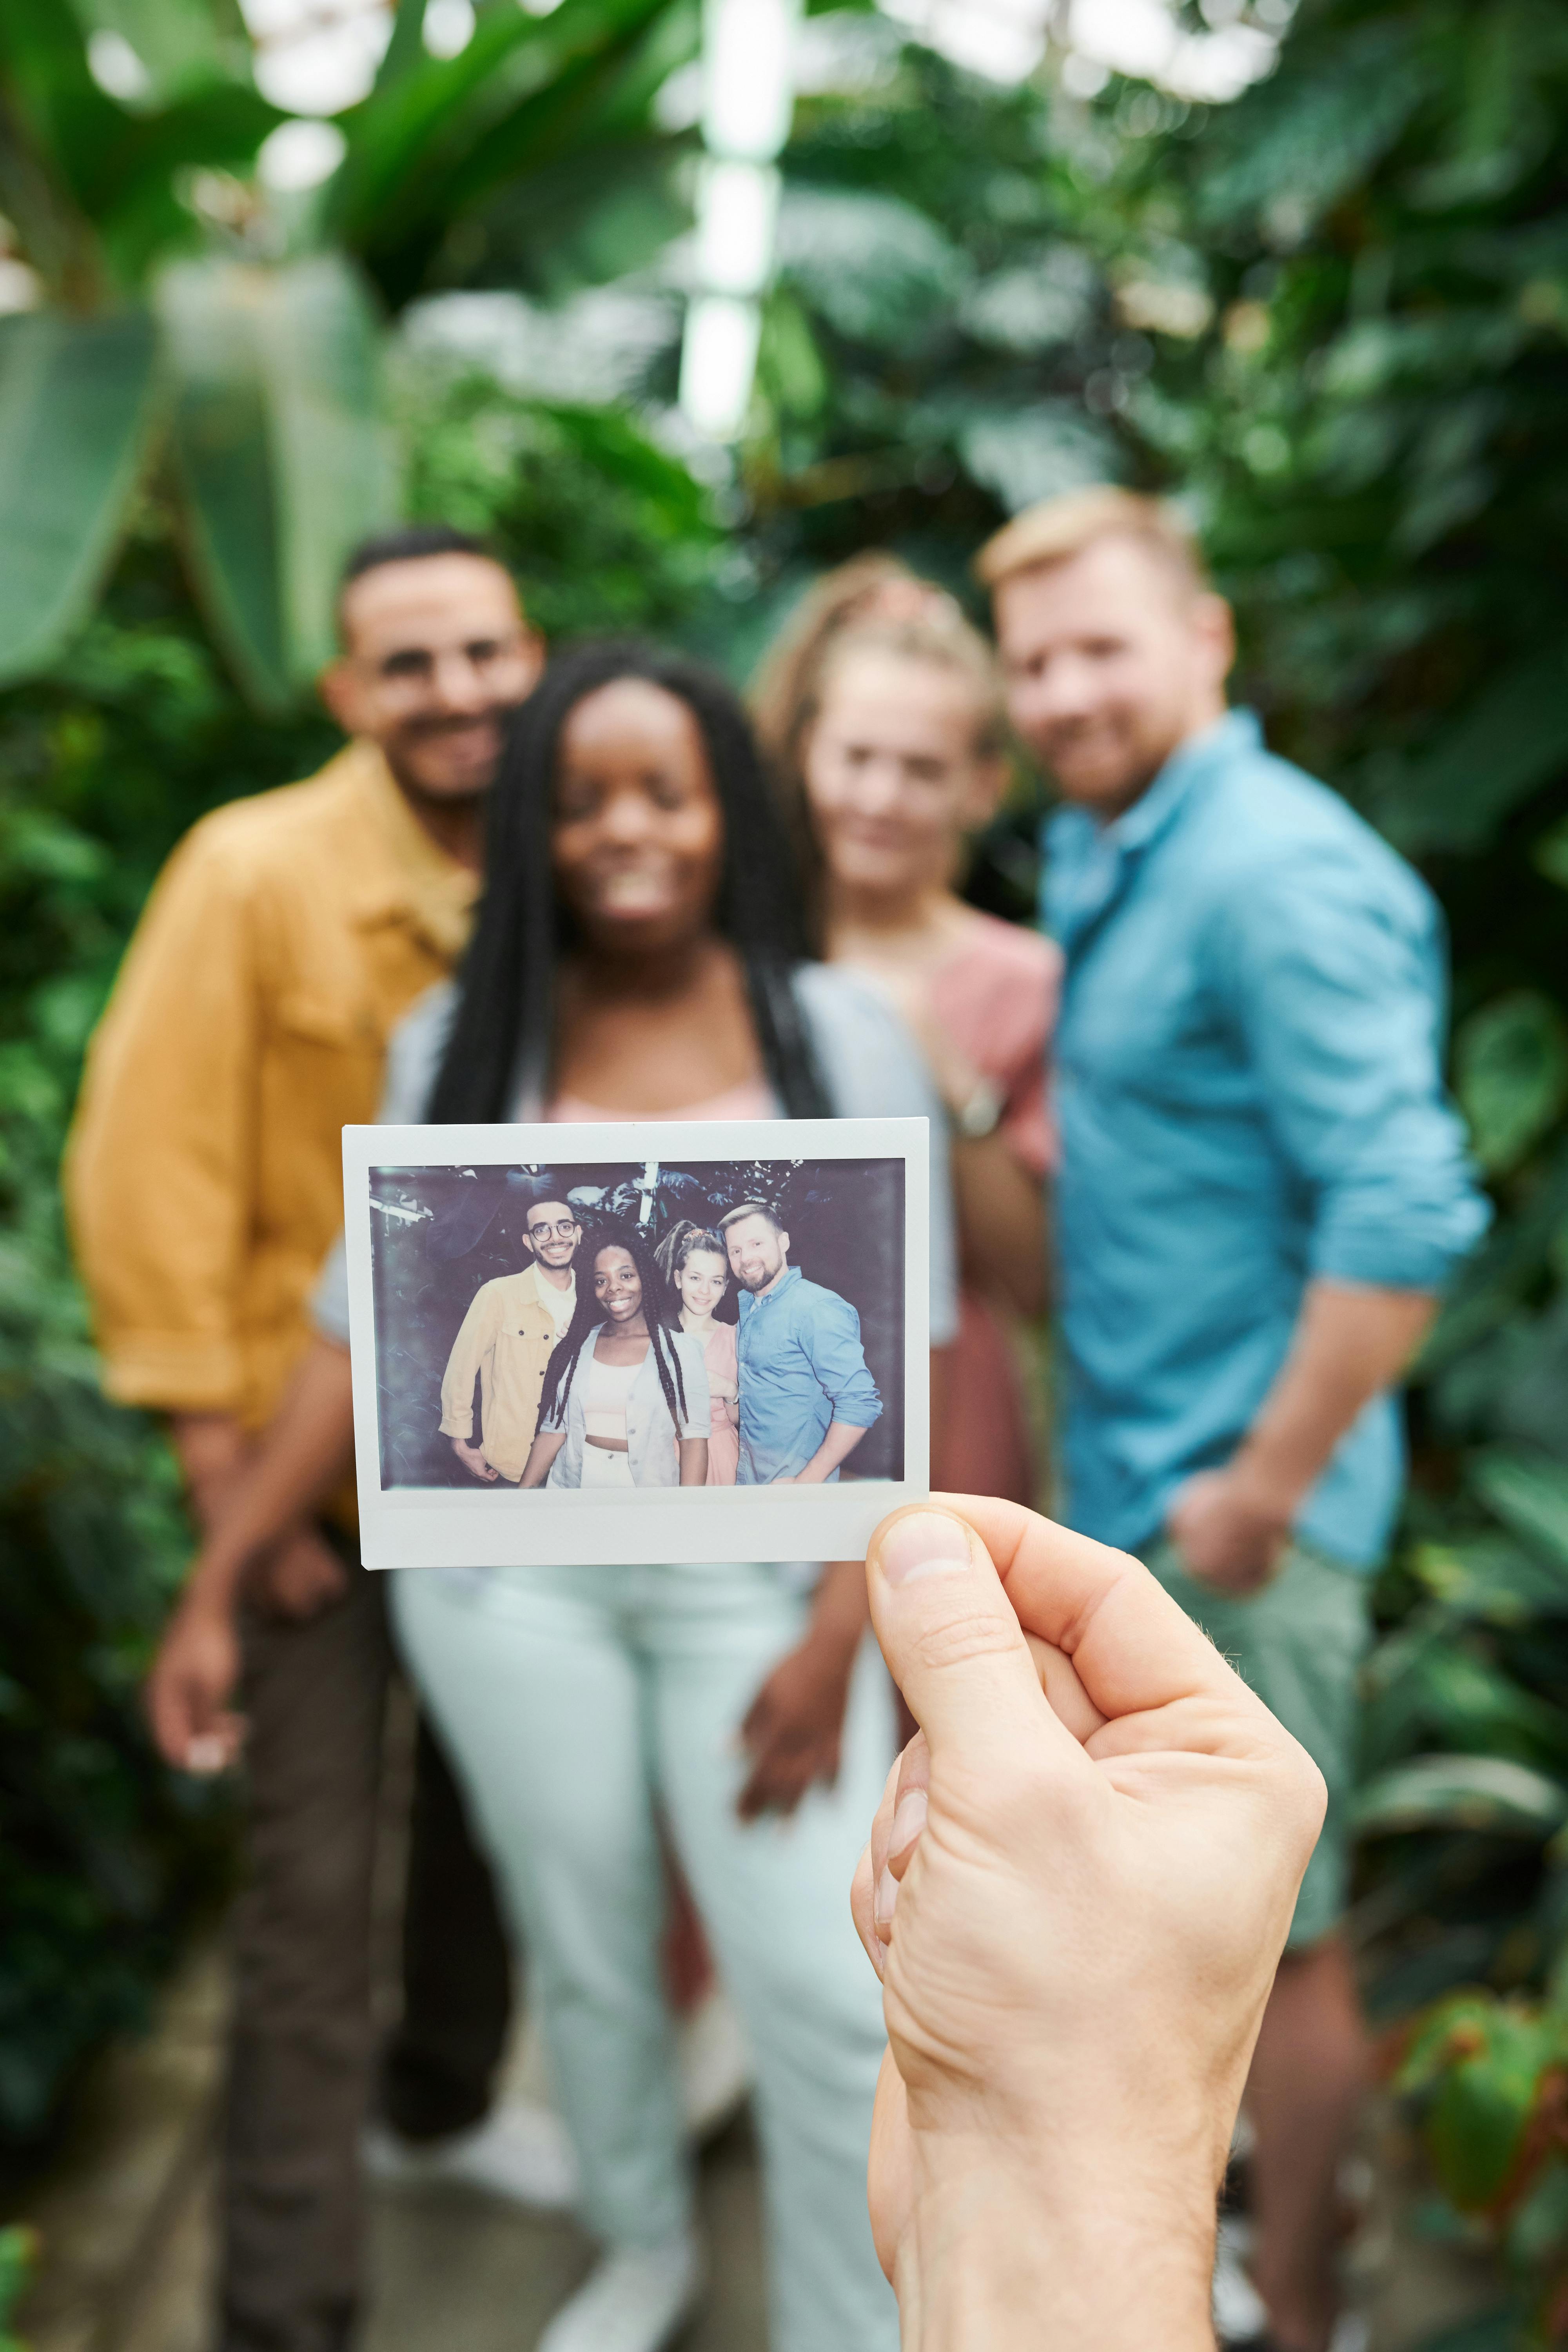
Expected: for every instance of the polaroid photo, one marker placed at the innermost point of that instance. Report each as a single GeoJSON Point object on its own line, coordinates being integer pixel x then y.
{"type": "Point", "coordinates": [661, 1340]}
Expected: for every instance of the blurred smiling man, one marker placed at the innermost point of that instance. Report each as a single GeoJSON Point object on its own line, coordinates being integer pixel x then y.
{"type": "Point", "coordinates": [1262, 1190]}
{"type": "Point", "coordinates": [282, 943]}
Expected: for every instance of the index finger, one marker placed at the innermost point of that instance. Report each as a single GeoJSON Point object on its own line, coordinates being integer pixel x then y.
{"type": "Point", "coordinates": [1134, 1648]}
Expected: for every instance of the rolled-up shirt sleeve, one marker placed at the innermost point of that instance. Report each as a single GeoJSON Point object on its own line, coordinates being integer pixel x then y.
{"type": "Point", "coordinates": [838, 1361]}
{"type": "Point", "coordinates": [413, 1058]}
{"type": "Point", "coordinates": [1335, 972]}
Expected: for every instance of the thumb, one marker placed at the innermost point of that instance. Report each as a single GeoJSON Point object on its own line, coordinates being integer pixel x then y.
{"type": "Point", "coordinates": [953, 1641]}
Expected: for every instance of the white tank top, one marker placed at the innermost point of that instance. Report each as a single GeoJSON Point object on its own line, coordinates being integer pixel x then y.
{"type": "Point", "coordinates": [604, 1399]}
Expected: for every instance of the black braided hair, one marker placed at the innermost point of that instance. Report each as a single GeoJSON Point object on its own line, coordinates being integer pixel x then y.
{"type": "Point", "coordinates": [587, 1313]}
{"type": "Point", "coordinates": [506, 1001]}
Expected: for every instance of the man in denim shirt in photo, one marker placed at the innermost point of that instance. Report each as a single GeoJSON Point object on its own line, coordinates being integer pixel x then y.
{"type": "Point", "coordinates": [1262, 1191]}
{"type": "Point", "coordinates": [808, 1397]}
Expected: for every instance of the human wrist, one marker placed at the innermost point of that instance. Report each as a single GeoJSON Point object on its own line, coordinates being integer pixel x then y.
{"type": "Point", "coordinates": [213, 1588]}
{"type": "Point", "coordinates": [1000, 2257]}
{"type": "Point", "coordinates": [1267, 1482]}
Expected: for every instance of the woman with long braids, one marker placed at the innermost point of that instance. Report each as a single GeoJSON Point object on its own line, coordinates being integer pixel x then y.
{"type": "Point", "coordinates": [638, 955]}
{"type": "Point", "coordinates": [624, 1401]}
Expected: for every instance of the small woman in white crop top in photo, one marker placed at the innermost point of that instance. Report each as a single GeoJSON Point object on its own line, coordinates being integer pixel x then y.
{"type": "Point", "coordinates": [626, 1399]}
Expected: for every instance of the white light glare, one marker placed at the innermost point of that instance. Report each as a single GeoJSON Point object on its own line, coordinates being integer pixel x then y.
{"type": "Point", "coordinates": [448, 26]}
{"type": "Point", "coordinates": [316, 57]}
{"type": "Point", "coordinates": [717, 361]}
{"type": "Point", "coordinates": [116, 68]}
{"type": "Point", "coordinates": [1142, 39]}
{"type": "Point", "coordinates": [300, 154]}
{"type": "Point", "coordinates": [736, 214]}
{"type": "Point", "coordinates": [748, 89]}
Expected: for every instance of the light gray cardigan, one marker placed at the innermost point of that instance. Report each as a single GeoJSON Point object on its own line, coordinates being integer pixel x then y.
{"type": "Point", "coordinates": [870, 1064]}
{"type": "Point", "coordinates": [652, 1454]}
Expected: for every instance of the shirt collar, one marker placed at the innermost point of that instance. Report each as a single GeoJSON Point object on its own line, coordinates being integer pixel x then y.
{"type": "Point", "coordinates": [1087, 860]}
{"type": "Point", "coordinates": [404, 876]}
{"type": "Point", "coordinates": [749, 1301]}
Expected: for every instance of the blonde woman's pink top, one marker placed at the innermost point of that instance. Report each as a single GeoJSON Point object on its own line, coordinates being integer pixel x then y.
{"type": "Point", "coordinates": [724, 1441]}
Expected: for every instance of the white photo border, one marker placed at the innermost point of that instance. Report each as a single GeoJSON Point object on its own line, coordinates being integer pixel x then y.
{"type": "Point", "coordinates": [426, 1526]}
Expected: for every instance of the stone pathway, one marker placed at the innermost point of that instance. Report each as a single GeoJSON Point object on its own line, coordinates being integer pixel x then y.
{"type": "Point", "coordinates": [126, 2221]}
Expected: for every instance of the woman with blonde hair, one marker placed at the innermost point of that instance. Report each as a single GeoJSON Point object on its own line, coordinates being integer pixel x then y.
{"type": "Point", "coordinates": [881, 710]}
{"type": "Point", "coordinates": [696, 1265]}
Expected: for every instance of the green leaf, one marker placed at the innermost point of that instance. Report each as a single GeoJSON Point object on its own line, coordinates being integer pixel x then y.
{"type": "Point", "coordinates": [1492, 1580]}
{"type": "Point", "coordinates": [119, 166]}
{"type": "Point", "coordinates": [1529, 1494]}
{"type": "Point", "coordinates": [1485, 1793]}
{"type": "Point", "coordinates": [1510, 1073]}
{"type": "Point", "coordinates": [1475, 2130]}
{"type": "Point", "coordinates": [1490, 756]}
{"type": "Point", "coordinates": [446, 135]}
{"type": "Point", "coordinates": [180, 42]}
{"type": "Point", "coordinates": [281, 451]}
{"type": "Point", "coordinates": [77, 407]}
{"type": "Point", "coordinates": [878, 270]}
{"type": "Point", "coordinates": [1480, 2062]}
{"type": "Point", "coordinates": [1296, 143]}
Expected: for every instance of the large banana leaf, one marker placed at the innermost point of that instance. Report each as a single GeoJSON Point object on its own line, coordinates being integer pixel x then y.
{"type": "Point", "coordinates": [282, 453]}
{"type": "Point", "coordinates": [432, 145]}
{"type": "Point", "coordinates": [77, 406]}
{"type": "Point", "coordinates": [117, 166]}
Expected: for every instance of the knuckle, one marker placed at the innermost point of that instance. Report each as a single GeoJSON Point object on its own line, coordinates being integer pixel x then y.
{"type": "Point", "coordinates": [964, 1641]}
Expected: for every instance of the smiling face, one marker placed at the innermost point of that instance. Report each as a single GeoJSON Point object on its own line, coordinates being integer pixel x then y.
{"type": "Point", "coordinates": [617, 1287]}
{"type": "Point", "coordinates": [436, 656]}
{"type": "Point", "coordinates": [758, 1255]}
{"type": "Point", "coordinates": [637, 835]}
{"type": "Point", "coordinates": [702, 1282]}
{"type": "Point", "coordinates": [895, 773]}
{"type": "Point", "coordinates": [1112, 659]}
{"type": "Point", "coordinates": [554, 1233]}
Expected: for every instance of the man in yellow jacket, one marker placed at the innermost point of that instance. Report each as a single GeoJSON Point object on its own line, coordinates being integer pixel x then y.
{"type": "Point", "coordinates": [283, 941]}
{"type": "Point", "coordinates": [506, 1341]}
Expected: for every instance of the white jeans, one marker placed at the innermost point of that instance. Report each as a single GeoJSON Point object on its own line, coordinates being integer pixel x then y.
{"type": "Point", "coordinates": [571, 1700]}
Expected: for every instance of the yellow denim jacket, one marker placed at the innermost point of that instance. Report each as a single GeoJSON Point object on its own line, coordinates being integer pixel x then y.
{"type": "Point", "coordinates": [507, 1337]}
{"type": "Point", "coordinates": [248, 1025]}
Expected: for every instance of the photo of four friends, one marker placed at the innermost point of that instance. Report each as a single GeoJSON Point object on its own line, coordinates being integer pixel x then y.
{"type": "Point", "coordinates": [659, 1330]}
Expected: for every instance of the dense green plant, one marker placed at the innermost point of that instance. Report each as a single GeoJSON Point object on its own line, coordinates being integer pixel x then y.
{"type": "Point", "coordinates": [18, 2247]}
{"type": "Point", "coordinates": [1367, 423]}
{"type": "Point", "coordinates": [235, 345]}
{"type": "Point", "coordinates": [103, 763]}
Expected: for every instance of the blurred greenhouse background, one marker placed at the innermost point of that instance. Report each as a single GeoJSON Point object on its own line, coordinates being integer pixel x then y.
{"type": "Point", "coordinates": [270, 278]}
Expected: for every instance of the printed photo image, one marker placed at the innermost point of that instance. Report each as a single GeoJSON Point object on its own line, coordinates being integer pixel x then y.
{"type": "Point", "coordinates": [566, 1332]}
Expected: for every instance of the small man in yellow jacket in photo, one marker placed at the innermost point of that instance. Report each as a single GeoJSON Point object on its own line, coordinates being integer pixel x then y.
{"type": "Point", "coordinates": [506, 1341]}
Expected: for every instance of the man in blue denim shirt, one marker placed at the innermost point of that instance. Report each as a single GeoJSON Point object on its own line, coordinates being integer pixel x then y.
{"type": "Point", "coordinates": [808, 1397]}
{"type": "Point", "coordinates": [1262, 1190]}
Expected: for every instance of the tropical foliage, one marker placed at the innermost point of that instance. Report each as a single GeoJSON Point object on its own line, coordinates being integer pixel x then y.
{"type": "Point", "coordinates": [236, 347]}
{"type": "Point", "coordinates": [1334, 316]}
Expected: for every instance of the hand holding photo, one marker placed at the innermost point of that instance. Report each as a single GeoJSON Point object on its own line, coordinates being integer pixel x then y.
{"type": "Point", "coordinates": [566, 1351]}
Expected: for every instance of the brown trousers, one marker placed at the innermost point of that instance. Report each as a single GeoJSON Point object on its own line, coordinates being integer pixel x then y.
{"type": "Point", "coordinates": [302, 2058]}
